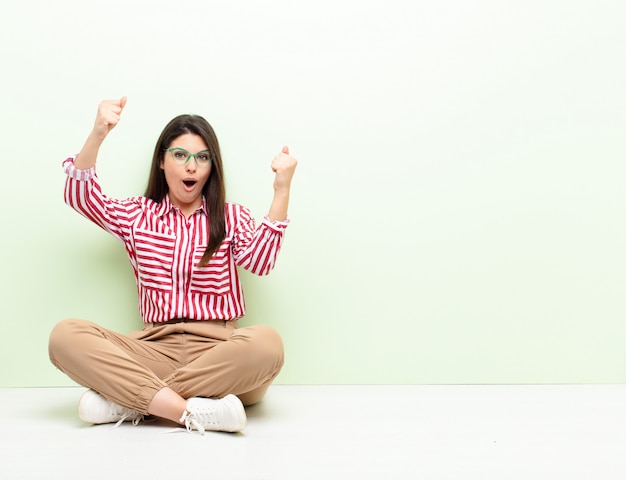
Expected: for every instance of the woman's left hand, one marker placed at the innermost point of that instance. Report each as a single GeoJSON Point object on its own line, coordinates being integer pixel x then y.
{"type": "Point", "coordinates": [284, 166]}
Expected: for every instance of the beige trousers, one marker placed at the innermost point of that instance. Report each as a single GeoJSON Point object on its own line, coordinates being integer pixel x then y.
{"type": "Point", "coordinates": [195, 359]}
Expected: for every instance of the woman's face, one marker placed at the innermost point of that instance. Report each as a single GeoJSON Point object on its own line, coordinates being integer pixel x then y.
{"type": "Point", "coordinates": [186, 181]}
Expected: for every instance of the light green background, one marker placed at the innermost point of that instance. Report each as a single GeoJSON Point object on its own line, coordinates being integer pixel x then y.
{"type": "Point", "coordinates": [457, 213]}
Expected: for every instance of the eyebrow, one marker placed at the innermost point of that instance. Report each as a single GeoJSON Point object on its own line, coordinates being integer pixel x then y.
{"type": "Point", "coordinates": [199, 151]}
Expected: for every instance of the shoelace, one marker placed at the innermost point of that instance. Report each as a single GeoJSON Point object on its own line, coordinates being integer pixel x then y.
{"type": "Point", "coordinates": [126, 413]}
{"type": "Point", "coordinates": [189, 419]}
{"type": "Point", "coordinates": [135, 421]}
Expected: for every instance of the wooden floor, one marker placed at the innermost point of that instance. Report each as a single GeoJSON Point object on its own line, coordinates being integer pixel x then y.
{"type": "Point", "coordinates": [335, 432]}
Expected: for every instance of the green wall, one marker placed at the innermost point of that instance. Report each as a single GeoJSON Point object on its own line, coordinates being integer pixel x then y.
{"type": "Point", "coordinates": [457, 213]}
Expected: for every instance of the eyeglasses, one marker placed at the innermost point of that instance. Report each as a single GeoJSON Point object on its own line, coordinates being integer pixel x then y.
{"type": "Point", "coordinates": [182, 156]}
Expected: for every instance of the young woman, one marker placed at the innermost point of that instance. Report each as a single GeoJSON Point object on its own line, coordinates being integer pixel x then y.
{"type": "Point", "coordinates": [190, 363]}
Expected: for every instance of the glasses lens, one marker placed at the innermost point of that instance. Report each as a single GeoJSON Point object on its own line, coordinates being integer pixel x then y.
{"type": "Point", "coordinates": [179, 155]}
{"type": "Point", "coordinates": [203, 158]}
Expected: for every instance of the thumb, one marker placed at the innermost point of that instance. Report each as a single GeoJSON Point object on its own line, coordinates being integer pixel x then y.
{"type": "Point", "coordinates": [123, 102]}
{"type": "Point", "coordinates": [286, 150]}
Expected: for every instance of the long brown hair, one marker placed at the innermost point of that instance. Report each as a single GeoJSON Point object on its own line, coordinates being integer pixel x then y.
{"type": "Point", "coordinates": [214, 189]}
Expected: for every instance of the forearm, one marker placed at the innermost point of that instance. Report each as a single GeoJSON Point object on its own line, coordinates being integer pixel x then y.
{"type": "Point", "coordinates": [86, 159]}
{"type": "Point", "coordinates": [279, 206]}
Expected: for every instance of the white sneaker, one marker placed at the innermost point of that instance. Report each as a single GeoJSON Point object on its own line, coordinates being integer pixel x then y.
{"type": "Point", "coordinates": [94, 408]}
{"type": "Point", "coordinates": [224, 415]}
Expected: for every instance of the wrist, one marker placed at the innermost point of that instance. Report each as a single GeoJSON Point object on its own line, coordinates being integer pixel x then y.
{"type": "Point", "coordinates": [96, 137]}
{"type": "Point", "coordinates": [281, 190]}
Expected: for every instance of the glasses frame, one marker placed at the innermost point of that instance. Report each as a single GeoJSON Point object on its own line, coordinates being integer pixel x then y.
{"type": "Point", "coordinates": [189, 155]}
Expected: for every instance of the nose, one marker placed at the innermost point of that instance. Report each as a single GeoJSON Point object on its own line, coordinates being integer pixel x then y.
{"type": "Point", "coordinates": [191, 166]}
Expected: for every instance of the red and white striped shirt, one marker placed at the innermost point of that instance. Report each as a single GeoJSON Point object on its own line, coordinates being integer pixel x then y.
{"type": "Point", "coordinates": [164, 249]}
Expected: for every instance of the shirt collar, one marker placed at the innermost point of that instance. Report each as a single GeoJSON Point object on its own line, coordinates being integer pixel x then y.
{"type": "Point", "coordinates": [167, 206]}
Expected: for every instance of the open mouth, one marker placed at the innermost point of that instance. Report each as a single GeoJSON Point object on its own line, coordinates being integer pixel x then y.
{"type": "Point", "coordinates": [189, 183]}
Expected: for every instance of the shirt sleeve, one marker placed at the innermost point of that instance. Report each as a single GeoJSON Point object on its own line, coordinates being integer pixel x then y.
{"type": "Point", "coordinates": [83, 194]}
{"type": "Point", "coordinates": [256, 248]}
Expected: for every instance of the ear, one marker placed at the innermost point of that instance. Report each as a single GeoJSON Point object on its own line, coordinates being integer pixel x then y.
{"type": "Point", "coordinates": [161, 164]}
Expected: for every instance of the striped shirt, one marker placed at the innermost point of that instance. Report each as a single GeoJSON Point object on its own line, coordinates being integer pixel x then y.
{"type": "Point", "coordinates": [164, 249]}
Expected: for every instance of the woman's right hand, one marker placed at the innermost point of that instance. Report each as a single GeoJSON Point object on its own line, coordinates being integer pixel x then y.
{"type": "Point", "coordinates": [108, 116]}
{"type": "Point", "coordinates": [109, 112]}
